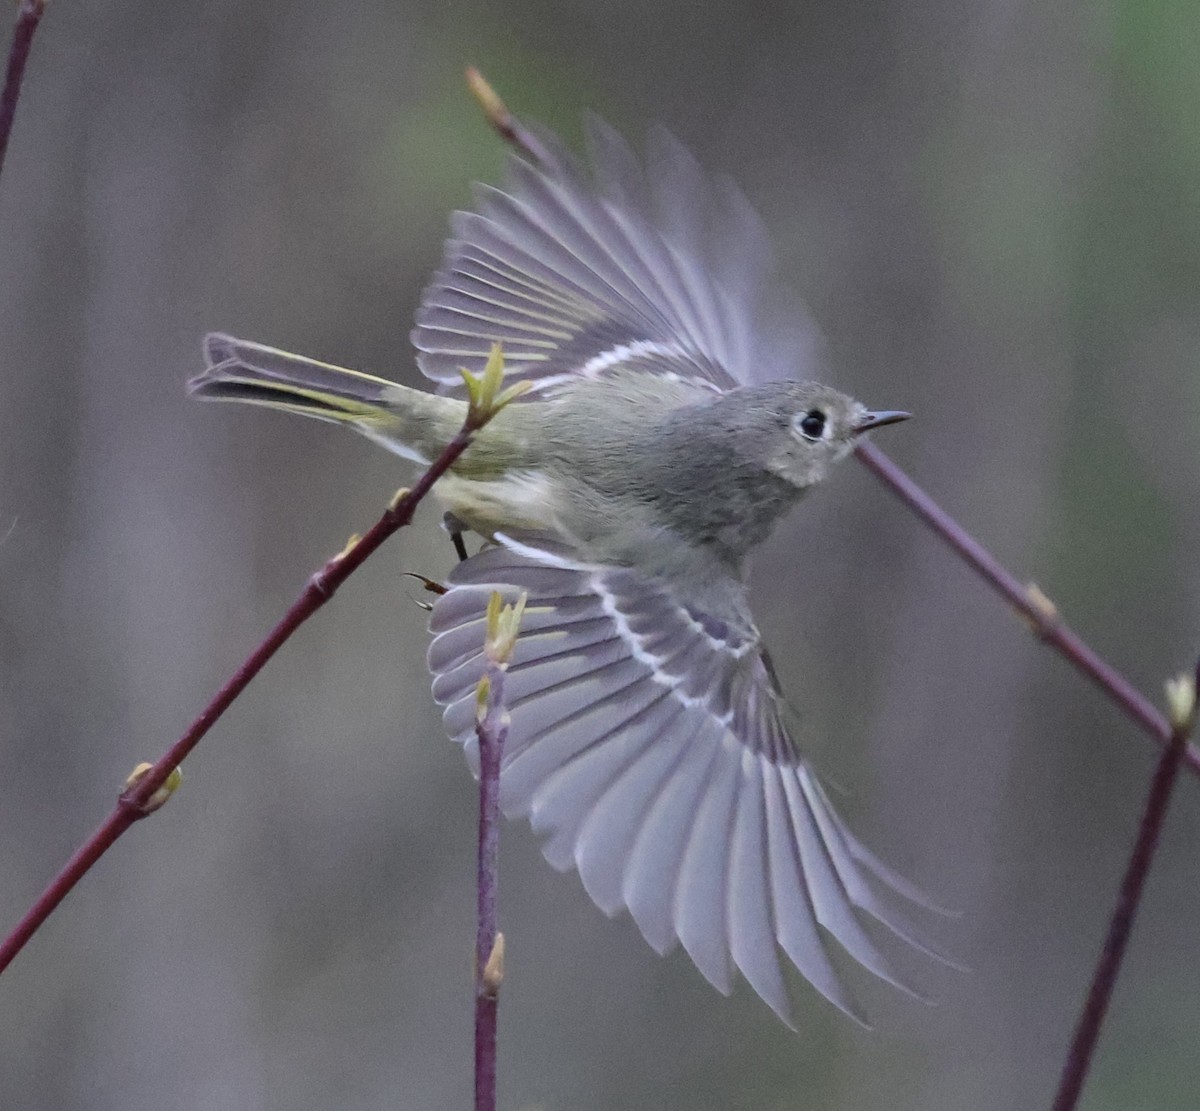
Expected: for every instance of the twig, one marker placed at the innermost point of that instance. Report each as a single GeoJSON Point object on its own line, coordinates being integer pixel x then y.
{"type": "Point", "coordinates": [509, 128]}
{"type": "Point", "coordinates": [29, 15]}
{"type": "Point", "coordinates": [320, 588]}
{"type": "Point", "coordinates": [1182, 697]}
{"type": "Point", "coordinates": [491, 727]}
{"type": "Point", "coordinates": [1026, 600]}
{"type": "Point", "coordinates": [141, 795]}
{"type": "Point", "coordinates": [489, 944]}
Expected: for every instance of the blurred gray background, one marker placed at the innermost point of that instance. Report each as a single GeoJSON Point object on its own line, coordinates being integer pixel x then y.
{"type": "Point", "coordinates": [992, 211]}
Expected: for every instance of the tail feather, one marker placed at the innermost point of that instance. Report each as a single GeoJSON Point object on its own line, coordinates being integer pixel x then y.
{"type": "Point", "coordinates": [259, 375]}
{"type": "Point", "coordinates": [410, 422]}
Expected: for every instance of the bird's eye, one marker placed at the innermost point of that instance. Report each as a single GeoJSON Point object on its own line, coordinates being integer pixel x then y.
{"type": "Point", "coordinates": [812, 424]}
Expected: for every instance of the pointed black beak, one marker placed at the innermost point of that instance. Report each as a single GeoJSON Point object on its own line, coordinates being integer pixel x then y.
{"type": "Point", "coordinates": [877, 420]}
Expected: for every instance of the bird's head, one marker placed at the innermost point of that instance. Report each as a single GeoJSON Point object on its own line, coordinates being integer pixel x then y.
{"type": "Point", "coordinates": [813, 427]}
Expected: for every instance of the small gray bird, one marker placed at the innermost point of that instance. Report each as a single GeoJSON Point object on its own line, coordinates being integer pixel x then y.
{"type": "Point", "coordinates": [660, 443]}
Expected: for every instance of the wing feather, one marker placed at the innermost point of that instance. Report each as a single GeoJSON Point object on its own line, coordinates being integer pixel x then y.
{"type": "Point", "coordinates": [575, 271]}
{"type": "Point", "coordinates": [647, 742]}
{"type": "Point", "coordinates": [702, 888]}
{"type": "Point", "coordinates": [751, 930]}
{"type": "Point", "coordinates": [795, 917]}
{"type": "Point", "coordinates": [654, 864]}
{"type": "Point", "coordinates": [831, 905]}
{"type": "Point", "coordinates": [547, 737]}
{"type": "Point", "coordinates": [565, 800]}
{"type": "Point", "coordinates": [606, 838]}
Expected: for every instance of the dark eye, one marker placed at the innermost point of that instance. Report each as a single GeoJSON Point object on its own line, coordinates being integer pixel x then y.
{"type": "Point", "coordinates": [812, 424]}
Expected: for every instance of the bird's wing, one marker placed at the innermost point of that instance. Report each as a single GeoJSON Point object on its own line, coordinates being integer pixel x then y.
{"type": "Point", "coordinates": [575, 272]}
{"type": "Point", "coordinates": [647, 740]}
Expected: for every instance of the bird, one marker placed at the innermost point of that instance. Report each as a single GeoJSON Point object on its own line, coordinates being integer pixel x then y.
{"type": "Point", "coordinates": [665, 431]}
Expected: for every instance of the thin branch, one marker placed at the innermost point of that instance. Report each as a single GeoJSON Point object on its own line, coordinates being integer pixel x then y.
{"type": "Point", "coordinates": [29, 15]}
{"type": "Point", "coordinates": [492, 731]}
{"type": "Point", "coordinates": [1028, 601]}
{"type": "Point", "coordinates": [491, 727]}
{"type": "Point", "coordinates": [141, 796]}
{"type": "Point", "coordinates": [1183, 698]}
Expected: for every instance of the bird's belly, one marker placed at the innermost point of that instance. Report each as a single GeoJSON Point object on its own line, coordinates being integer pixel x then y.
{"type": "Point", "coordinates": [519, 500]}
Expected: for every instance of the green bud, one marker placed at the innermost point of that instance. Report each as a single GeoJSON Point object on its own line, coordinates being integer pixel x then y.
{"type": "Point", "coordinates": [1181, 702]}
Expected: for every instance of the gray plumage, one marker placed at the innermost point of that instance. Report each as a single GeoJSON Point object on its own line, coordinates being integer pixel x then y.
{"type": "Point", "coordinates": [660, 444]}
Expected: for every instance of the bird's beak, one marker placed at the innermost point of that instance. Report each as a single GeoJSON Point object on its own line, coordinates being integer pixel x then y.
{"type": "Point", "coordinates": [877, 420]}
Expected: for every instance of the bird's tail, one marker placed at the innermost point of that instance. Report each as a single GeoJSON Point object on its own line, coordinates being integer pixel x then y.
{"type": "Point", "coordinates": [410, 422]}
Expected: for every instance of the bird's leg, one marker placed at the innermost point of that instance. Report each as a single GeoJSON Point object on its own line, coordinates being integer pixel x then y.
{"type": "Point", "coordinates": [455, 528]}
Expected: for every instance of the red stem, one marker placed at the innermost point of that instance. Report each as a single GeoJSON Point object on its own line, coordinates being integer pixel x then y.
{"type": "Point", "coordinates": [1104, 978]}
{"type": "Point", "coordinates": [29, 15]}
{"type": "Point", "coordinates": [492, 732]}
{"type": "Point", "coordinates": [1049, 627]}
{"type": "Point", "coordinates": [132, 803]}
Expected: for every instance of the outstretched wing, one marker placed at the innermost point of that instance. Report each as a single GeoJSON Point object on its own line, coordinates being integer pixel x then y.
{"type": "Point", "coordinates": [574, 275]}
{"type": "Point", "coordinates": [647, 741]}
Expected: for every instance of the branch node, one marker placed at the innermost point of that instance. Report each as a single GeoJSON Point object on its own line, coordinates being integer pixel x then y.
{"type": "Point", "coordinates": [483, 692]}
{"type": "Point", "coordinates": [1042, 616]}
{"type": "Point", "coordinates": [503, 622]}
{"type": "Point", "coordinates": [319, 583]}
{"type": "Point", "coordinates": [169, 786]}
{"type": "Point", "coordinates": [493, 970]}
{"type": "Point", "coordinates": [484, 395]}
{"type": "Point", "coordinates": [322, 581]}
{"type": "Point", "coordinates": [1181, 703]}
